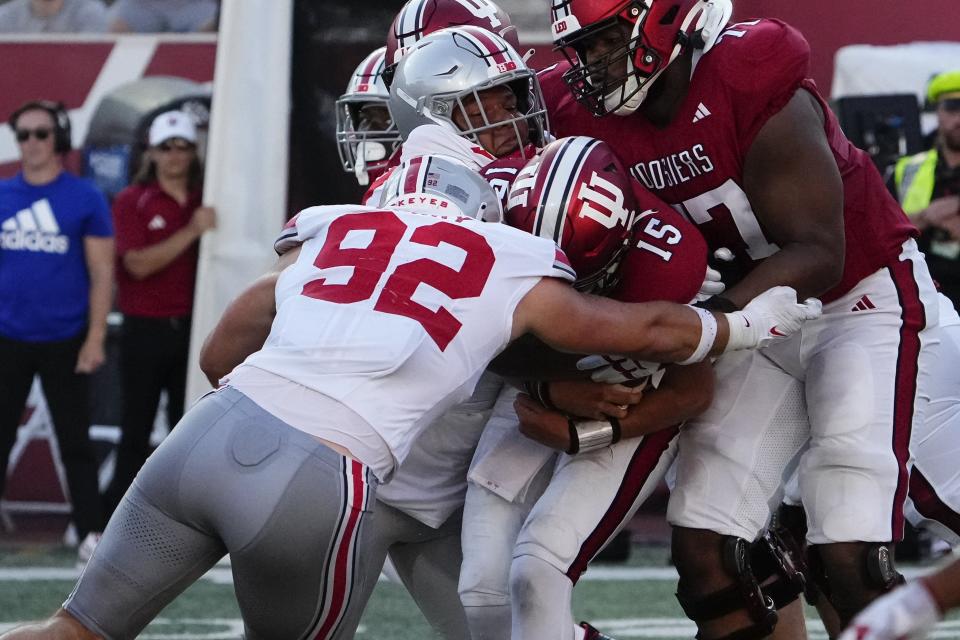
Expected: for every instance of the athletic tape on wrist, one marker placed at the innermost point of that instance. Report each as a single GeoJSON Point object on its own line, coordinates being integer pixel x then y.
{"type": "Point", "coordinates": [590, 435]}
{"type": "Point", "coordinates": [708, 335]}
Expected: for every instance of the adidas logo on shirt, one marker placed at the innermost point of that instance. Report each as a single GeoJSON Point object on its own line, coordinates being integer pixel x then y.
{"type": "Point", "coordinates": [157, 223]}
{"type": "Point", "coordinates": [863, 304]}
{"type": "Point", "coordinates": [702, 112]}
{"type": "Point", "coordinates": [34, 229]}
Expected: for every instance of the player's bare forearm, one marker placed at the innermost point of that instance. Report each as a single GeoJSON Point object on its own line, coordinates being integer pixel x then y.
{"type": "Point", "coordinates": [241, 331]}
{"type": "Point", "coordinates": [654, 331]}
{"type": "Point", "coordinates": [684, 393]}
{"type": "Point", "coordinates": [794, 187]}
{"type": "Point", "coordinates": [587, 399]}
{"type": "Point", "coordinates": [808, 268]}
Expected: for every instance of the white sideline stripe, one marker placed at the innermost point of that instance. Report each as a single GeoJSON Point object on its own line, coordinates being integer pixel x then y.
{"type": "Point", "coordinates": [224, 628]}
{"type": "Point", "coordinates": [223, 575]}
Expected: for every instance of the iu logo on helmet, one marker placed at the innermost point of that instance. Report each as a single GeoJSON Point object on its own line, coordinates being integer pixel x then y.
{"type": "Point", "coordinates": [606, 206]}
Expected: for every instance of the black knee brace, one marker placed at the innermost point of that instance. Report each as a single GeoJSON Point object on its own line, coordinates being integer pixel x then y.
{"type": "Point", "coordinates": [875, 571]}
{"type": "Point", "coordinates": [778, 567]}
{"type": "Point", "coordinates": [744, 594]}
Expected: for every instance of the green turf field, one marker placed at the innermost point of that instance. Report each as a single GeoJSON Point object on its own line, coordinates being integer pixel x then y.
{"type": "Point", "coordinates": [633, 600]}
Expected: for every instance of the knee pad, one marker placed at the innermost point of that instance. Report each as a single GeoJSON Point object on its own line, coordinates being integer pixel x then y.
{"type": "Point", "coordinates": [534, 582]}
{"type": "Point", "coordinates": [851, 585]}
{"type": "Point", "coordinates": [744, 594]}
{"type": "Point", "coordinates": [477, 589]}
{"type": "Point", "coordinates": [484, 599]}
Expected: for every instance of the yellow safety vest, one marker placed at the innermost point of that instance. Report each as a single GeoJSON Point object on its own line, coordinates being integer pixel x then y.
{"type": "Point", "coordinates": [914, 177]}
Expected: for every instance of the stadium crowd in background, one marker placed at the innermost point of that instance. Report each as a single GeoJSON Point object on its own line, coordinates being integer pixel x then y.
{"type": "Point", "coordinates": [53, 16]}
{"type": "Point", "coordinates": [117, 16]}
{"type": "Point", "coordinates": [155, 16]}
{"type": "Point", "coordinates": [56, 287]}
{"type": "Point", "coordinates": [158, 220]}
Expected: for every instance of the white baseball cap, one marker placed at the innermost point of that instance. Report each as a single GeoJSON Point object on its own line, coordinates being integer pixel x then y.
{"type": "Point", "coordinates": [172, 124]}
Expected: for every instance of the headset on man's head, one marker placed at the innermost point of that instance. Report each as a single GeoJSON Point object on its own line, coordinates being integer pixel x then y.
{"type": "Point", "coordinates": [61, 121]}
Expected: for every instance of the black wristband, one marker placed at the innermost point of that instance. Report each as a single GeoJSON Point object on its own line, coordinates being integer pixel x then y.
{"type": "Point", "coordinates": [718, 303]}
{"type": "Point", "coordinates": [615, 423]}
{"type": "Point", "coordinates": [574, 447]}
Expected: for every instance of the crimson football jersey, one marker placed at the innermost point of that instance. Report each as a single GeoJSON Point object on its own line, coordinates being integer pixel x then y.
{"type": "Point", "coordinates": [696, 163]}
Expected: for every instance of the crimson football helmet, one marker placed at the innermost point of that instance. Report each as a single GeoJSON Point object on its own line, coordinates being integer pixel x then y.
{"type": "Point", "coordinates": [419, 18]}
{"type": "Point", "coordinates": [659, 31]}
{"type": "Point", "coordinates": [366, 134]}
{"type": "Point", "coordinates": [577, 193]}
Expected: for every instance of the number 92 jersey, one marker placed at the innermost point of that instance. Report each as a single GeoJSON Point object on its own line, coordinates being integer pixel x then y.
{"type": "Point", "coordinates": [396, 314]}
{"type": "Point", "coordinates": [696, 162]}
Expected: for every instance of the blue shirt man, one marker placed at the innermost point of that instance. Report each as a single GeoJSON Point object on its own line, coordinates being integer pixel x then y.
{"type": "Point", "coordinates": [56, 285]}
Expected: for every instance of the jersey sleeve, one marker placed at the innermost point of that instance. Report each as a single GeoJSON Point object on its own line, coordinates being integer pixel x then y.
{"type": "Point", "coordinates": [667, 258]}
{"type": "Point", "coordinates": [131, 233]}
{"type": "Point", "coordinates": [310, 223]}
{"type": "Point", "coordinates": [762, 64]}
{"type": "Point", "coordinates": [99, 221]}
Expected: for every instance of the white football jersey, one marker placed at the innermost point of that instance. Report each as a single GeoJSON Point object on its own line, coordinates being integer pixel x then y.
{"type": "Point", "coordinates": [396, 314]}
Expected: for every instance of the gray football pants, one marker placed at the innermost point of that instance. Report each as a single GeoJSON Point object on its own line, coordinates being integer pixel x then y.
{"type": "Point", "coordinates": [427, 561]}
{"type": "Point", "coordinates": [292, 513]}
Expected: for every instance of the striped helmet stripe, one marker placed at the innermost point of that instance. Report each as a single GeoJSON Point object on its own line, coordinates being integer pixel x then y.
{"type": "Point", "coordinates": [410, 23]}
{"type": "Point", "coordinates": [373, 65]}
{"type": "Point", "coordinates": [414, 177]}
{"type": "Point", "coordinates": [493, 52]}
{"type": "Point", "coordinates": [560, 9]}
{"type": "Point", "coordinates": [565, 167]}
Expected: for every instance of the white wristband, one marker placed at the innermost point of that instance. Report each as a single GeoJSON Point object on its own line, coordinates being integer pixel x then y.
{"type": "Point", "coordinates": [742, 335]}
{"type": "Point", "coordinates": [708, 335]}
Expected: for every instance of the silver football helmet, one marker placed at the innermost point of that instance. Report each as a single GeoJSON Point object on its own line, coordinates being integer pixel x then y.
{"type": "Point", "coordinates": [366, 134]}
{"type": "Point", "coordinates": [447, 71]}
{"type": "Point", "coordinates": [440, 185]}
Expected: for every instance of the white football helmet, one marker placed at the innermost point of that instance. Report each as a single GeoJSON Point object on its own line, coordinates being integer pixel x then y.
{"type": "Point", "coordinates": [366, 134]}
{"type": "Point", "coordinates": [440, 185]}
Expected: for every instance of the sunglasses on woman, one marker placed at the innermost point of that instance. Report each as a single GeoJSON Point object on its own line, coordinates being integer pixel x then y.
{"type": "Point", "coordinates": [179, 145]}
{"type": "Point", "coordinates": [40, 134]}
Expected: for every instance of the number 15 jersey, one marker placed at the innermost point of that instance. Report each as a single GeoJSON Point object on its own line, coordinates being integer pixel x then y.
{"type": "Point", "coordinates": [396, 314]}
